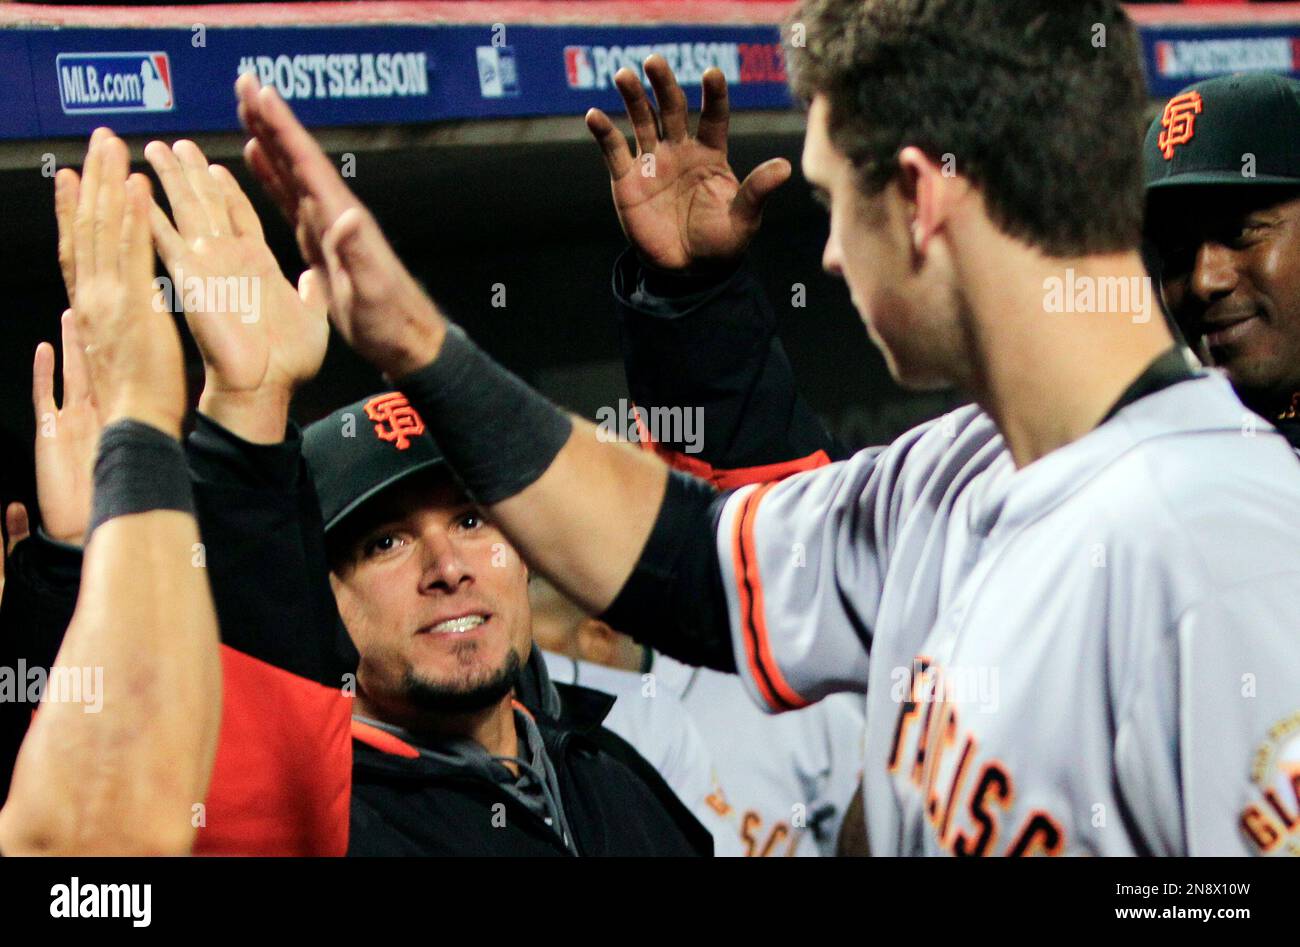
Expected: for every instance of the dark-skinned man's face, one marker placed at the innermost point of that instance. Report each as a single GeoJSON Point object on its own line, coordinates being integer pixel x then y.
{"type": "Point", "coordinates": [1229, 261]}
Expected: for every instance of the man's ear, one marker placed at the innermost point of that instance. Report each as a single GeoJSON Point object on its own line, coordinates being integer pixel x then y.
{"type": "Point", "coordinates": [597, 642]}
{"type": "Point", "coordinates": [928, 189]}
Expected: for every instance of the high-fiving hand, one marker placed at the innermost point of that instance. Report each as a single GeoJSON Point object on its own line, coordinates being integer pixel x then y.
{"type": "Point", "coordinates": [374, 302]}
{"type": "Point", "coordinates": [678, 200]}
{"type": "Point", "coordinates": [132, 352]}
{"type": "Point", "coordinates": [254, 330]}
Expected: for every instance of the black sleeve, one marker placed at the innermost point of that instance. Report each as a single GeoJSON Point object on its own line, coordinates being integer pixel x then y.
{"type": "Point", "coordinates": [41, 581]}
{"type": "Point", "coordinates": [264, 545]}
{"type": "Point", "coordinates": [674, 600]}
{"type": "Point", "coordinates": [709, 340]}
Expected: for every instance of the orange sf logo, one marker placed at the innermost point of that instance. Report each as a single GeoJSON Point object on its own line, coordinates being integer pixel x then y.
{"type": "Point", "coordinates": [397, 421]}
{"type": "Point", "coordinates": [1179, 122]}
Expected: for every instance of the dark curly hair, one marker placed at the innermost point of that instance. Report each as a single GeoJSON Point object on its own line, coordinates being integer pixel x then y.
{"type": "Point", "coordinates": [1039, 103]}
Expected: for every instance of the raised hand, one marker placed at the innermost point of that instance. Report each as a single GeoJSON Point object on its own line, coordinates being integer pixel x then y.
{"type": "Point", "coordinates": [684, 206]}
{"type": "Point", "coordinates": [374, 302]}
{"type": "Point", "coordinates": [254, 329]}
{"type": "Point", "coordinates": [132, 352]}
{"type": "Point", "coordinates": [67, 437]}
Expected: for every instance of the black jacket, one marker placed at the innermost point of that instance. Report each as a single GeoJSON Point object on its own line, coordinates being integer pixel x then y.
{"type": "Point", "coordinates": [404, 803]}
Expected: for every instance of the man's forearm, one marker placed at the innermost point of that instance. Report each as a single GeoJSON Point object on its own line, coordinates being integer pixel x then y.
{"type": "Point", "coordinates": [585, 521]}
{"type": "Point", "coordinates": [119, 769]}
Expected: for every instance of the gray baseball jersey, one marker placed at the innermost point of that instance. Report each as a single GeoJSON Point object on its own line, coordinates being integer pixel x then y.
{"type": "Point", "coordinates": [653, 720]}
{"type": "Point", "coordinates": [784, 781]}
{"type": "Point", "coordinates": [1096, 654]}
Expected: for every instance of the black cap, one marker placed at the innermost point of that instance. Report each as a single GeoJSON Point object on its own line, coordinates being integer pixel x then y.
{"type": "Point", "coordinates": [363, 449]}
{"type": "Point", "coordinates": [1205, 132]}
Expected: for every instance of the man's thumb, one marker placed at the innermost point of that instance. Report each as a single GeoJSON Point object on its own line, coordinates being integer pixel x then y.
{"type": "Point", "coordinates": [758, 186]}
{"type": "Point", "coordinates": [354, 241]}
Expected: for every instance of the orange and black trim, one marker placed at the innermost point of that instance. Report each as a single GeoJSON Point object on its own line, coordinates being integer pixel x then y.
{"type": "Point", "coordinates": [766, 674]}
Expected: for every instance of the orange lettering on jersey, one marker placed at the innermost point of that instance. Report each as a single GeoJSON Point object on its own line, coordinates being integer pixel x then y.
{"type": "Point", "coordinates": [1042, 835]}
{"type": "Point", "coordinates": [749, 825]}
{"type": "Point", "coordinates": [922, 742]}
{"type": "Point", "coordinates": [1289, 819]}
{"type": "Point", "coordinates": [954, 791]}
{"type": "Point", "coordinates": [947, 734]}
{"type": "Point", "coordinates": [1179, 122]}
{"type": "Point", "coordinates": [993, 786]}
{"type": "Point", "coordinates": [909, 708]}
{"type": "Point", "coordinates": [1271, 820]}
{"type": "Point", "coordinates": [1260, 827]}
{"type": "Point", "coordinates": [397, 421]}
{"type": "Point", "coordinates": [751, 829]}
{"type": "Point", "coordinates": [718, 802]}
{"type": "Point", "coordinates": [779, 833]}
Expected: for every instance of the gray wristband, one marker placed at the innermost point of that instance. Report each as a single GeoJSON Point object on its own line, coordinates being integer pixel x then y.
{"type": "Point", "coordinates": [498, 435]}
{"type": "Point", "coordinates": [138, 469]}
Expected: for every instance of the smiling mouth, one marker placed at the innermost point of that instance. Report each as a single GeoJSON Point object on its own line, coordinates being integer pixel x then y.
{"type": "Point", "coordinates": [456, 626]}
{"type": "Point", "coordinates": [1219, 336]}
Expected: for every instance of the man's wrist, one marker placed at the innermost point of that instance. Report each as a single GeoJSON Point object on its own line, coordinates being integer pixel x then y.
{"type": "Point", "coordinates": [145, 413]}
{"type": "Point", "coordinates": [420, 344]}
{"type": "Point", "coordinates": [258, 416]}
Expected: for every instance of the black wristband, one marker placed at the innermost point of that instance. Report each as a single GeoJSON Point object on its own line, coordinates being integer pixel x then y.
{"type": "Point", "coordinates": [497, 434]}
{"type": "Point", "coordinates": [138, 469]}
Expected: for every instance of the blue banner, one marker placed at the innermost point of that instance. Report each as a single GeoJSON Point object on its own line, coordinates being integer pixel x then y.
{"type": "Point", "coordinates": [1178, 56]}
{"type": "Point", "coordinates": [177, 80]}
{"type": "Point", "coordinates": [64, 82]}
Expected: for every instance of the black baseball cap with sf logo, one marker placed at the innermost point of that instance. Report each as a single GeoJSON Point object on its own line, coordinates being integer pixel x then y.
{"type": "Point", "coordinates": [363, 449]}
{"type": "Point", "coordinates": [1230, 130]}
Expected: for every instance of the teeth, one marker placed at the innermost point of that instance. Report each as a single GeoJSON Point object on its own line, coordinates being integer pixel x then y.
{"type": "Point", "coordinates": [459, 626]}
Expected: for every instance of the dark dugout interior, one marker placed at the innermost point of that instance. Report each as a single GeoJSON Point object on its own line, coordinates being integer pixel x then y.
{"type": "Point", "coordinates": [473, 215]}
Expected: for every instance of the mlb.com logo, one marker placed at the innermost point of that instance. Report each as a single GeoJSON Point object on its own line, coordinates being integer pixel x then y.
{"type": "Point", "coordinates": [114, 82]}
{"type": "Point", "coordinates": [578, 68]}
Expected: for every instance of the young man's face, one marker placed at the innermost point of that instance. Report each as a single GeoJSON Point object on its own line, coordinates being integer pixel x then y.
{"type": "Point", "coordinates": [1230, 274]}
{"type": "Point", "coordinates": [908, 309]}
{"type": "Point", "coordinates": [436, 601]}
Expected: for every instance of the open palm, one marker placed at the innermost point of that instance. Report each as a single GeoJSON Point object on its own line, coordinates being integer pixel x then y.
{"type": "Point", "coordinates": [255, 330]}
{"type": "Point", "coordinates": [678, 200]}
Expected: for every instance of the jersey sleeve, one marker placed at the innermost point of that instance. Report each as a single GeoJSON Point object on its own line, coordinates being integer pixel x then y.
{"type": "Point", "coordinates": [802, 564]}
{"type": "Point", "coordinates": [1209, 751]}
{"type": "Point", "coordinates": [709, 342]}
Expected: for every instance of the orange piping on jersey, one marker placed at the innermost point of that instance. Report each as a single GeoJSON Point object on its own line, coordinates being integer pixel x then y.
{"type": "Point", "coordinates": [382, 740]}
{"type": "Point", "coordinates": [776, 691]}
{"type": "Point", "coordinates": [726, 478]}
{"type": "Point", "coordinates": [731, 478]}
{"type": "Point", "coordinates": [745, 604]}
